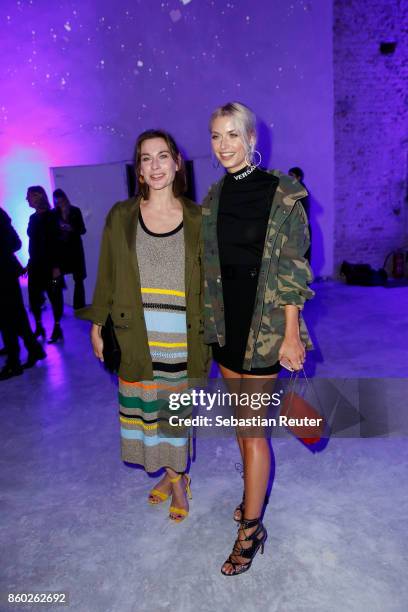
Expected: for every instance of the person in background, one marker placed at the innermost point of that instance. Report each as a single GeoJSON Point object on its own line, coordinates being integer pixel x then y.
{"type": "Point", "coordinates": [256, 282]}
{"type": "Point", "coordinates": [44, 272]}
{"type": "Point", "coordinates": [14, 320]}
{"type": "Point", "coordinates": [72, 257]}
{"type": "Point", "coordinates": [299, 175]}
{"type": "Point", "coordinates": [150, 283]}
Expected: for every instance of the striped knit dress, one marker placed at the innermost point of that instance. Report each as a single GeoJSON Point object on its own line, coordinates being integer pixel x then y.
{"type": "Point", "coordinates": [144, 412]}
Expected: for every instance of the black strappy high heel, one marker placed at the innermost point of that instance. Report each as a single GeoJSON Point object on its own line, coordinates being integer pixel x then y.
{"type": "Point", "coordinates": [241, 508]}
{"type": "Point", "coordinates": [257, 539]}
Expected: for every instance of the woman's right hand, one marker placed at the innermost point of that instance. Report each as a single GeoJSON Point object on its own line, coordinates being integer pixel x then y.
{"type": "Point", "coordinates": [97, 342]}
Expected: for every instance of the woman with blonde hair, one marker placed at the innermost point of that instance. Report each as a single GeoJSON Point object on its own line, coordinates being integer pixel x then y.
{"type": "Point", "coordinates": [255, 236]}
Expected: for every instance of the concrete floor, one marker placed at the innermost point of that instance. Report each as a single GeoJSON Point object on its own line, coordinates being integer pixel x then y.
{"type": "Point", "coordinates": [74, 518]}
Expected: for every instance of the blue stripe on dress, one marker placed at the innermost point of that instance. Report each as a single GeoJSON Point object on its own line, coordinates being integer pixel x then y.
{"type": "Point", "coordinates": [136, 434]}
{"type": "Point", "coordinates": [161, 321]}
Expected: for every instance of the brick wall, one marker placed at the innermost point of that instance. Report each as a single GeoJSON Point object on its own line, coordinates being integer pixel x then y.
{"type": "Point", "coordinates": [370, 126]}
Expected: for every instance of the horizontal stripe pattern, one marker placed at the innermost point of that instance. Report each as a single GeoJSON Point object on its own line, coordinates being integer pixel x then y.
{"type": "Point", "coordinates": [161, 321]}
{"type": "Point", "coordinates": [175, 355]}
{"type": "Point", "coordinates": [167, 378]}
{"type": "Point", "coordinates": [165, 429]}
{"type": "Point", "coordinates": [153, 440]}
{"type": "Point", "coordinates": [156, 405]}
{"type": "Point", "coordinates": [159, 291]}
{"type": "Point", "coordinates": [138, 415]}
{"type": "Point", "coordinates": [151, 406]}
{"type": "Point", "coordinates": [159, 385]}
{"type": "Point", "coordinates": [147, 437]}
{"type": "Point", "coordinates": [161, 306]}
{"type": "Point", "coordinates": [175, 368]}
{"type": "Point", "coordinates": [168, 344]}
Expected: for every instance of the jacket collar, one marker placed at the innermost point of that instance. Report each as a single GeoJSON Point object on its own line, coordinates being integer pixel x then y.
{"type": "Point", "coordinates": [131, 220]}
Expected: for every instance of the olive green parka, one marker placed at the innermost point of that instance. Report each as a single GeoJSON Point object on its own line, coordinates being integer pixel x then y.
{"type": "Point", "coordinates": [118, 292]}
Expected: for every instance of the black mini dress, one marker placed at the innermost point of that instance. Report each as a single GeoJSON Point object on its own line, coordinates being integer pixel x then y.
{"type": "Point", "coordinates": [243, 214]}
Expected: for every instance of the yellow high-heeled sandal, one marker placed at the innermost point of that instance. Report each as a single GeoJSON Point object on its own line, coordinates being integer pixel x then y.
{"type": "Point", "coordinates": [160, 494]}
{"type": "Point", "coordinates": [181, 512]}
{"type": "Point", "coordinates": [156, 493]}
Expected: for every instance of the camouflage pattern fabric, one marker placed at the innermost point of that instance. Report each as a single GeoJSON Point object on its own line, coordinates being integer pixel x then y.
{"type": "Point", "coordinates": [283, 277]}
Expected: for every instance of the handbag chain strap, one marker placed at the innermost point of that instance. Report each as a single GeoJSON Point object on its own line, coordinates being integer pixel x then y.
{"type": "Point", "coordinates": [294, 376]}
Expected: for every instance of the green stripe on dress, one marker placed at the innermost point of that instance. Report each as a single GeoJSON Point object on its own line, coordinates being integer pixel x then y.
{"type": "Point", "coordinates": [137, 402]}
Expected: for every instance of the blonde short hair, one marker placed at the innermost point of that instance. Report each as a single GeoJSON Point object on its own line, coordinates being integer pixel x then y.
{"type": "Point", "coordinates": [244, 119]}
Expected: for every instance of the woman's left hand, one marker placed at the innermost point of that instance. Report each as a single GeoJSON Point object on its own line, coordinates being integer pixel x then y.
{"type": "Point", "coordinates": [293, 352]}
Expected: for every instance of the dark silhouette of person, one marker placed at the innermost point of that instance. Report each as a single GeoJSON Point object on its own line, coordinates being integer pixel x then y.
{"type": "Point", "coordinates": [14, 320]}
{"type": "Point", "coordinates": [72, 257]}
{"type": "Point", "coordinates": [3, 350]}
{"type": "Point", "coordinates": [299, 175]}
{"type": "Point", "coordinates": [44, 272]}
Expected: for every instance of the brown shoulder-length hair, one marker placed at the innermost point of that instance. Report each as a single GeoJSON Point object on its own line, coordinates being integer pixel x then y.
{"type": "Point", "coordinates": [180, 181]}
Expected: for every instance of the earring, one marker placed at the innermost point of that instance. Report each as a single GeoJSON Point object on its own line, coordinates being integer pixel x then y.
{"type": "Point", "coordinates": [215, 165]}
{"type": "Point", "coordinates": [258, 163]}
{"type": "Point", "coordinates": [141, 179]}
{"type": "Point", "coordinates": [249, 158]}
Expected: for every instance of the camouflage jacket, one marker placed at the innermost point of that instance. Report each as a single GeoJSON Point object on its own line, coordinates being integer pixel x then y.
{"type": "Point", "coordinates": [283, 277]}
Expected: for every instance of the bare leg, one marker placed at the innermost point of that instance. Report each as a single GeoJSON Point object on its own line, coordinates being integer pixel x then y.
{"type": "Point", "coordinates": [257, 456]}
{"type": "Point", "coordinates": [233, 380]}
{"type": "Point", "coordinates": [257, 461]}
{"type": "Point", "coordinates": [179, 497]}
{"type": "Point", "coordinates": [231, 375]}
{"type": "Point", "coordinates": [257, 465]}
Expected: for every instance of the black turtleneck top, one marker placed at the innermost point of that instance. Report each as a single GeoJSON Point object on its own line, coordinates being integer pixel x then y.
{"type": "Point", "coordinates": [243, 216]}
{"type": "Point", "coordinates": [244, 209]}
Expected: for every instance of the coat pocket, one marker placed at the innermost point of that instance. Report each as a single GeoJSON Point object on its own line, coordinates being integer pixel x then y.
{"type": "Point", "coordinates": [122, 321]}
{"type": "Point", "coordinates": [122, 317]}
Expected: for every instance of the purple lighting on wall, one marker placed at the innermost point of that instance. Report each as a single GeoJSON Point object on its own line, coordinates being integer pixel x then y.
{"type": "Point", "coordinates": [81, 80]}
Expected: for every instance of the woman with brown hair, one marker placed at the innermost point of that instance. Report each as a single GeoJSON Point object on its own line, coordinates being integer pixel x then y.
{"type": "Point", "coordinates": [150, 283]}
